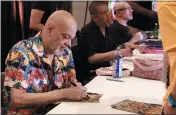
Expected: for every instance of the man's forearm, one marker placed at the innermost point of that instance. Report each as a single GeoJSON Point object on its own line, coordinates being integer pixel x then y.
{"type": "Point", "coordinates": [101, 57]}
{"type": "Point", "coordinates": [131, 45]}
{"type": "Point", "coordinates": [37, 27]}
{"type": "Point", "coordinates": [22, 99]}
{"type": "Point", "coordinates": [134, 40]}
{"type": "Point", "coordinates": [138, 9]}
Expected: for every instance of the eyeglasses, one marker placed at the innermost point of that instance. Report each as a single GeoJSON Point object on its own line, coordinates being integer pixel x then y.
{"type": "Point", "coordinates": [128, 8]}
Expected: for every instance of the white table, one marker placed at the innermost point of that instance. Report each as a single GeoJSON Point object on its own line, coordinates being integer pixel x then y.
{"type": "Point", "coordinates": [137, 54]}
{"type": "Point", "coordinates": [143, 90]}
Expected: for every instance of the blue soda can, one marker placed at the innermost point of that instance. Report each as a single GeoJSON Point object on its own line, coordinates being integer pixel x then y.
{"type": "Point", "coordinates": [117, 67]}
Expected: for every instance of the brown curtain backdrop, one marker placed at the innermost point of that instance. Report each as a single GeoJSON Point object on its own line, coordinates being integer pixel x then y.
{"type": "Point", "coordinates": [15, 17]}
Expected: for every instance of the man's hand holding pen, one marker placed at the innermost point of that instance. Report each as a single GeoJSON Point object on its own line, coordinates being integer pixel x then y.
{"type": "Point", "coordinates": [77, 92]}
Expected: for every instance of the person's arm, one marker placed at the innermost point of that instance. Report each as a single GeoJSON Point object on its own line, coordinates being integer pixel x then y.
{"type": "Point", "coordinates": [134, 46]}
{"type": "Point", "coordinates": [21, 99]}
{"type": "Point", "coordinates": [19, 82]}
{"type": "Point", "coordinates": [108, 56]}
{"type": "Point", "coordinates": [88, 48]}
{"type": "Point", "coordinates": [101, 57]}
{"type": "Point", "coordinates": [141, 10]}
{"type": "Point", "coordinates": [37, 11]}
{"type": "Point", "coordinates": [35, 20]}
{"type": "Point", "coordinates": [137, 8]}
{"type": "Point", "coordinates": [136, 38]}
{"type": "Point", "coordinates": [131, 45]}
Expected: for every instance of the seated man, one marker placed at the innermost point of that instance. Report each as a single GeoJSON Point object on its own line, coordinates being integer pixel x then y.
{"type": "Point", "coordinates": [95, 44]}
{"type": "Point", "coordinates": [40, 70]}
{"type": "Point", "coordinates": [119, 31]}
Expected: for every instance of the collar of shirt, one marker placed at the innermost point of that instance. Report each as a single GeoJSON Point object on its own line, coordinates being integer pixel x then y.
{"type": "Point", "coordinates": [98, 28]}
{"type": "Point", "coordinates": [38, 49]}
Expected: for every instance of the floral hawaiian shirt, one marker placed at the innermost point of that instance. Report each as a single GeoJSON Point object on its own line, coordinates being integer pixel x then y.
{"type": "Point", "coordinates": [27, 68]}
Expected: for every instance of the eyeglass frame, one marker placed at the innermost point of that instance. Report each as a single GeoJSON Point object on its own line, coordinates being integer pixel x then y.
{"type": "Point", "coordinates": [128, 8]}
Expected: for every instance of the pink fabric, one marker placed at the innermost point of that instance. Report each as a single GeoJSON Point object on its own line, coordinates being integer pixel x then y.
{"type": "Point", "coordinates": [153, 51]}
{"type": "Point", "coordinates": [148, 69]}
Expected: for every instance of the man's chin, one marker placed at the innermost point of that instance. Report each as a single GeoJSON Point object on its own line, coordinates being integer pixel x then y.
{"type": "Point", "coordinates": [108, 23]}
{"type": "Point", "coordinates": [58, 51]}
{"type": "Point", "coordinates": [130, 18]}
{"type": "Point", "coordinates": [61, 49]}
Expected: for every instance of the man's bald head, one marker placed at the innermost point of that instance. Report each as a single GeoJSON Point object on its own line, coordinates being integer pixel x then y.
{"type": "Point", "coordinates": [61, 17]}
{"type": "Point", "coordinates": [123, 10]}
{"type": "Point", "coordinates": [120, 5]}
{"type": "Point", "coordinates": [59, 29]}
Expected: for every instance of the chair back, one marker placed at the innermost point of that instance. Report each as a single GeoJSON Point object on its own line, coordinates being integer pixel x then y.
{"type": "Point", "coordinates": [2, 86]}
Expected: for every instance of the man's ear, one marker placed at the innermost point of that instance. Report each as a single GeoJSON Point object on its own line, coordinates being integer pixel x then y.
{"type": "Point", "coordinates": [119, 14]}
{"type": "Point", "coordinates": [93, 17]}
{"type": "Point", "coordinates": [50, 27]}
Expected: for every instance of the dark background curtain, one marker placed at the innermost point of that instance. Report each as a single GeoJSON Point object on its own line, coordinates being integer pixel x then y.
{"type": "Point", "coordinates": [65, 5]}
{"type": "Point", "coordinates": [15, 18]}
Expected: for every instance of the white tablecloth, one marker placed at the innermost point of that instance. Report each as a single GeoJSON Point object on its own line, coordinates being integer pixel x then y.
{"type": "Point", "coordinates": [143, 90]}
{"type": "Point", "coordinates": [137, 54]}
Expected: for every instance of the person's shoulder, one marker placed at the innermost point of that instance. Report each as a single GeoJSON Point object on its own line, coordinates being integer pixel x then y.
{"type": "Point", "coordinates": [161, 5]}
{"type": "Point", "coordinates": [88, 27]}
{"type": "Point", "coordinates": [23, 44]}
{"type": "Point", "coordinates": [115, 26]}
{"type": "Point", "coordinates": [19, 53]}
{"type": "Point", "coordinates": [27, 46]}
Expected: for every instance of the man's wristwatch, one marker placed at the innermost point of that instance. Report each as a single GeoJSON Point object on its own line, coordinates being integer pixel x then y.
{"type": "Point", "coordinates": [171, 101]}
{"type": "Point", "coordinates": [119, 52]}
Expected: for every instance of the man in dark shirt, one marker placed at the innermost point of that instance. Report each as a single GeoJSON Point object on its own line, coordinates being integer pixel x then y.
{"type": "Point", "coordinates": [144, 18]}
{"type": "Point", "coordinates": [95, 44]}
{"type": "Point", "coordinates": [119, 31]}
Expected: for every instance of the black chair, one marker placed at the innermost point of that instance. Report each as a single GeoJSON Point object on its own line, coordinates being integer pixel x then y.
{"type": "Point", "coordinates": [3, 112]}
{"type": "Point", "coordinates": [81, 65]}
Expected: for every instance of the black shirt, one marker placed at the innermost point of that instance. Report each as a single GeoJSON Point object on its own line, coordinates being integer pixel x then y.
{"type": "Point", "coordinates": [47, 6]}
{"type": "Point", "coordinates": [120, 34]}
{"type": "Point", "coordinates": [93, 41]}
{"type": "Point", "coordinates": [51, 6]}
{"type": "Point", "coordinates": [140, 21]}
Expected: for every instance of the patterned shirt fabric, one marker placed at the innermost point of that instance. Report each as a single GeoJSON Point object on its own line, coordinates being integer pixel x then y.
{"type": "Point", "coordinates": [28, 68]}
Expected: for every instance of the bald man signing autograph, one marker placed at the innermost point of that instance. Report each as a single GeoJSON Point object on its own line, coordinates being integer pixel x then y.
{"type": "Point", "coordinates": [40, 70]}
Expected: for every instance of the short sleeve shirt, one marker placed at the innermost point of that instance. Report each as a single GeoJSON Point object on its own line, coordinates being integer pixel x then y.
{"type": "Point", "coordinates": [120, 34]}
{"type": "Point", "coordinates": [167, 22]}
{"type": "Point", "coordinates": [93, 41]}
{"type": "Point", "coordinates": [27, 68]}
